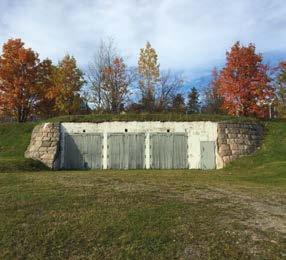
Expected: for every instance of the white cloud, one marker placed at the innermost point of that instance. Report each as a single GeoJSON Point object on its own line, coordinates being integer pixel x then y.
{"type": "Point", "coordinates": [187, 34]}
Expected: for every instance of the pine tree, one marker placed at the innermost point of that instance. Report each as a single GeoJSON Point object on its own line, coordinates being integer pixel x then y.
{"type": "Point", "coordinates": [193, 101]}
{"type": "Point", "coordinates": [178, 104]}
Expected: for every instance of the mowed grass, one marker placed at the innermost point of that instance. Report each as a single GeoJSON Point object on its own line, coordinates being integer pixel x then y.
{"type": "Point", "coordinates": [235, 213]}
{"type": "Point", "coordinates": [140, 215]}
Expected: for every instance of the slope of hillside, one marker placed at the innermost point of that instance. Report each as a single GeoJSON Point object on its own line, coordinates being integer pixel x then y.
{"type": "Point", "coordinates": [268, 164]}
{"type": "Point", "coordinates": [235, 213]}
{"type": "Point", "coordinates": [14, 139]}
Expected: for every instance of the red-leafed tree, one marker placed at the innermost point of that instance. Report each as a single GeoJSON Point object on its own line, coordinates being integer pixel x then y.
{"type": "Point", "coordinates": [18, 87]}
{"type": "Point", "coordinates": [244, 84]}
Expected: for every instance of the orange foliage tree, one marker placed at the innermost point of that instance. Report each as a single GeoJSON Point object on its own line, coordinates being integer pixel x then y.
{"type": "Point", "coordinates": [149, 73]}
{"type": "Point", "coordinates": [244, 84]}
{"type": "Point", "coordinates": [18, 87]}
{"type": "Point", "coordinates": [68, 81]}
{"type": "Point", "coordinates": [115, 84]}
{"type": "Point", "coordinates": [46, 81]}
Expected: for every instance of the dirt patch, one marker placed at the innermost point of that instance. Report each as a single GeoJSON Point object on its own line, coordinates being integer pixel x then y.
{"type": "Point", "coordinates": [266, 212]}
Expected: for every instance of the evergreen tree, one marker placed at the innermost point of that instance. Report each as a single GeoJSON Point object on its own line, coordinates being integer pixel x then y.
{"type": "Point", "coordinates": [193, 101]}
{"type": "Point", "coordinates": [178, 104]}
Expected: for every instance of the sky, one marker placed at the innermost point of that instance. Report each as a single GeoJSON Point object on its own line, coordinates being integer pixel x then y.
{"type": "Point", "coordinates": [189, 35]}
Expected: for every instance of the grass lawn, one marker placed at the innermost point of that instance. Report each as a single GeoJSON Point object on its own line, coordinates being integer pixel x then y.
{"type": "Point", "coordinates": [235, 213]}
{"type": "Point", "coordinates": [142, 215]}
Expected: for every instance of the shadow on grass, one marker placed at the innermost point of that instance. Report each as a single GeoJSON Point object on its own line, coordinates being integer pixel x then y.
{"type": "Point", "coordinates": [21, 165]}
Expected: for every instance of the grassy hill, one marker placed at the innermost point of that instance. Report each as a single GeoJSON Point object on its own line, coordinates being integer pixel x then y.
{"type": "Point", "coordinates": [97, 118]}
{"type": "Point", "coordinates": [268, 164]}
{"type": "Point", "coordinates": [235, 213]}
{"type": "Point", "coordinates": [14, 139]}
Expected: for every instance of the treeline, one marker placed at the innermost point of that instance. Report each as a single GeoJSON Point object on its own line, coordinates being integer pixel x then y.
{"type": "Point", "coordinates": [32, 89]}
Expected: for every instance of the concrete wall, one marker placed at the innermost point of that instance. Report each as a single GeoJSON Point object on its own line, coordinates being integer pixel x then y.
{"type": "Point", "coordinates": [232, 140]}
{"type": "Point", "coordinates": [196, 131]}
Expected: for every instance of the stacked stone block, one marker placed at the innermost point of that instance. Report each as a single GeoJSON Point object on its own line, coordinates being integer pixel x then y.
{"type": "Point", "coordinates": [44, 144]}
{"type": "Point", "coordinates": [234, 141]}
{"type": "Point", "coordinates": [238, 139]}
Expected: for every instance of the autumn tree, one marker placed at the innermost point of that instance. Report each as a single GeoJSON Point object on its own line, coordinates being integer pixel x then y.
{"type": "Point", "coordinates": [103, 76]}
{"type": "Point", "coordinates": [281, 89]}
{"type": "Point", "coordinates": [47, 89]}
{"type": "Point", "coordinates": [114, 84]}
{"type": "Point", "coordinates": [149, 74]}
{"type": "Point", "coordinates": [212, 98]}
{"type": "Point", "coordinates": [193, 105]}
{"type": "Point", "coordinates": [178, 104]}
{"type": "Point", "coordinates": [244, 83]}
{"type": "Point", "coordinates": [68, 80]}
{"type": "Point", "coordinates": [18, 88]}
{"type": "Point", "coordinates": [102, 59]}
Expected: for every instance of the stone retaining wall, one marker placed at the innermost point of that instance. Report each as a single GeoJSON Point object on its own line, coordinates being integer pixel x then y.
{"type": "Point", "coordinates": [44, 144]}
{"type": "Point", "coordinates": [238, 139]}
{"type": "Point", "coordinates": [233, 140]}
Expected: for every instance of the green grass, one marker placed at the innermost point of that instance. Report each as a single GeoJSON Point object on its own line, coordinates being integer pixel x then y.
{"type": "Point", "coordinates": [14, 139]}
{"type": "Point", "coordinates": [140, 215]}
{"type": "Point", "coordinates": [235, 213]}
{"type": "Point", "coordinates": [97, 118]}
{"type": "Point", "coordinates": [268, 164]}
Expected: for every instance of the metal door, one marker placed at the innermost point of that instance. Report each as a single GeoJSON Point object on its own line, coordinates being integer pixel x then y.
{"type": "Point", "coordinates": [126, 151]}
{"type": "Point", "coordinates": [208, 155]}
{"type": "Point", "coordinates": [83, 151]}
{"type": "Point", "coordinates": [169, 151]}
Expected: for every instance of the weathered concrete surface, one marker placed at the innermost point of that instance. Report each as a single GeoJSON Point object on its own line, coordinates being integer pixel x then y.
{"type": "Point", "coordinates": [44, 144]}
{"type": "Point", "coordinates": [232, 140]}
{"type": "Point", "coordinates": [238, 139]}
{"type": "Point", "coordinates": [196, 132]}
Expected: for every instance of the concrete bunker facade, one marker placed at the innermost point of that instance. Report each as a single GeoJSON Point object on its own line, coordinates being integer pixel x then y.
{"type": "Point", "coordinates": [143, 145]}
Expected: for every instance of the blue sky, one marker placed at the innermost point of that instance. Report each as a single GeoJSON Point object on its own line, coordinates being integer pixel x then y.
{"type": "Point", "coordinates": [189, 35]}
